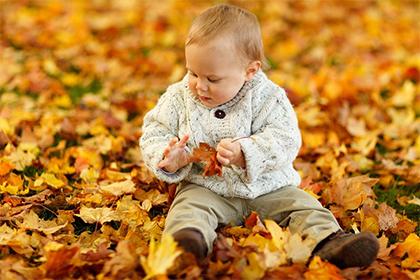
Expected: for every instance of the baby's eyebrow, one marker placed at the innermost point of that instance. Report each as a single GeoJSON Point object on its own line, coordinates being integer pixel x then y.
{"type": "Point", "coordinates": [211, 76]}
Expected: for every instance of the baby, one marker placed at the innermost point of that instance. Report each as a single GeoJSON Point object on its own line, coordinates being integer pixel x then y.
{"type": "Point", "coordinates": [226, 101]}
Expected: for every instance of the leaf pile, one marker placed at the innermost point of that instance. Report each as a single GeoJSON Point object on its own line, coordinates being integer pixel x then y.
{"type": "Point", "coordinates": [78, 76]}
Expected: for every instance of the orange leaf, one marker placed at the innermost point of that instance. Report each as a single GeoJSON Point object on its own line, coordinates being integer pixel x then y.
{"type": "Point", "coordinates": [320, 270]}
{"type": "Point", "coordinates": [207, 154]}
{"type": "Point", "coordinates": [411, 247]}
{"type": "Point", "coordinates": [5, 167]}
{"type": "Point", "coordinates": [60, 263]}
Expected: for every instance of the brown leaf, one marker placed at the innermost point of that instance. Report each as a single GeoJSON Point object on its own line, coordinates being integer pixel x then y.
{"type": "Point", "coordinates": [60, 263]}
{"type": "Point", "coordinates": [387, 217]}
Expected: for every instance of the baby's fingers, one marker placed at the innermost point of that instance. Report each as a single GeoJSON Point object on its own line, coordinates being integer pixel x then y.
{"type": "Point", "coordinates": [224, 152]}
{"type": "Point", "coordinates": [173, 142]}
{"type": "Point", "coordinates": [183, 141]}
{"type": "Point", "coordinates": [222, 159]}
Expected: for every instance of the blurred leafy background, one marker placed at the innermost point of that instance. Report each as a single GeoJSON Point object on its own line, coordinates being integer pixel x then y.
{"type": "Point", "coordinates": [76, 78]}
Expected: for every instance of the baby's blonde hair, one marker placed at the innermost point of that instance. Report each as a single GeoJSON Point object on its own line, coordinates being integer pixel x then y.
{"type": "Point", "coordinates": [233, 21]}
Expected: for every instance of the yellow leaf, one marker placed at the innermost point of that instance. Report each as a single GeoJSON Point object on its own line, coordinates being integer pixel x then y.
{"type": "Point", "coordinates": [161, 256]}
{"type": "Point", "coordinates": [130, 212]}
{"type": "Point", "coordinates": [279, 237]}
{"type": "Point", "coordinates": [313, 139]}
{"type": "Point", "coordinates": [356, 127]}
{"type": "Point", "coordinates": [23, 155]}
{"type": "Point", "coordinates": [411, 247]}
{"type": "Point", "coordinates": [415, 201]}
{"type": "Point", "coordinates": [89, 175]}
{"type": "Point", "coordinates": [255, 268]}
{"type": "Point", "coordinates": [6, 234]}
{"type": "Point", "coordinates": [50, 67]}
{"type": "Point", "coordinates": [53, 246]}
{"type": "Point", "coordinates": [405, 96]}
{"type": "Point", "coordinates": [299, 250]}
{"type": "Point", "coordinates": [70, 79]}
{"type": "Point", "coordinates": [14, 185]}
{"type": "Point", "coordinates": [97, 215]}
{"type": "Point", "coordinates": [50, 180]}
{"type": "Point", "coordinates": [365, 144]}
{"type": "Point", "coordinates": [119, 188]}
{"type": "Point", "coordinates": [5, 126]}
{"type": "Point", "coordinates": [33, 222]}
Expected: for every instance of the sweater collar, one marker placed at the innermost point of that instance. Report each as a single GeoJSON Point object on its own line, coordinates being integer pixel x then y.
{"type": "Point", "coordinates": [251, 85]}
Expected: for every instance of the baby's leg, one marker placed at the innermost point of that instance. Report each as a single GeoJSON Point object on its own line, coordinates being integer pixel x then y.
{"type": "Point", "coordinates": [197, 210]}
{"type": "Point", "coordinates": [301, 212]}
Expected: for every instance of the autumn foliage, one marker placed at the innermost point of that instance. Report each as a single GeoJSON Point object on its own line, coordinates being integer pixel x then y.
{"type": "Point", "coordinates": [77, 77]}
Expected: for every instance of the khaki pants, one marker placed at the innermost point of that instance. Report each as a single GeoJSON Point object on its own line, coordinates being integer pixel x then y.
{"type": "Point", "coordinates": [199, 208]}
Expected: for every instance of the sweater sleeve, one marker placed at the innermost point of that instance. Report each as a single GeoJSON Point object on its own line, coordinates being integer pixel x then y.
{"type": "Point", "coordinates": [276, 138]}
{"type": "Point", "coordinates": [160, 125]}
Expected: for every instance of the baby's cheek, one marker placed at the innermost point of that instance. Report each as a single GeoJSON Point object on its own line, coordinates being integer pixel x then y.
{"type": "Point", "coordinates": [191, 86]}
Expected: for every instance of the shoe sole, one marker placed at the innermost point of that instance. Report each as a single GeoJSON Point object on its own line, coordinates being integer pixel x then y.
{"type": "Point", "coordinates": [359, 251]}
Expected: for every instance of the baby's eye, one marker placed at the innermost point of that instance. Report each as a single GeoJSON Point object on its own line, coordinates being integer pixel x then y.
{"type": "Point", "coordinates": [213, 80]}
{"type": "Point", "coordinates": [194, 75]}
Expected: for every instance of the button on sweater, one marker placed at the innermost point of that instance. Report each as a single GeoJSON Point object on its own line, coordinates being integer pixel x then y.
{"type": "Point", "coordinates": [260, 112]}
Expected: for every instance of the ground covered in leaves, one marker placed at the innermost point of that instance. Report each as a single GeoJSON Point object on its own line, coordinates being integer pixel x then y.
{"type": "Point", "coordinates": [76, 78]}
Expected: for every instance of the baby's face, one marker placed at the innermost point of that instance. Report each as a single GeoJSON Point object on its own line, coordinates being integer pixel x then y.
{"type": "Point", "coordinates": [216, 73]}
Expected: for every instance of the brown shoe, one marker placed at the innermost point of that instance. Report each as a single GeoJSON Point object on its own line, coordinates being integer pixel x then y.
{"type": "Point", "coordinates": [348, 249]}
{"type": "Point", "coordinates": [191, 240]}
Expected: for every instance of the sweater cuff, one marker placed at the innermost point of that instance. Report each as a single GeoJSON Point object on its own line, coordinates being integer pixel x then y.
{"type": "Point", "coordinates": [252, 161]}
{"type": "Point", "coordinates": [175, 177]}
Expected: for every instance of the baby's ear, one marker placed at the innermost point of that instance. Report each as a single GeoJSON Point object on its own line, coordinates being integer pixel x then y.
{"type": "Point", "coordinates": [252, 69]}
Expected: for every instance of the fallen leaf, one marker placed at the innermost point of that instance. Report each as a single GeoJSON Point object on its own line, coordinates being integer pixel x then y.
{"type": "Point", "coordinates": [207, 154]}
{"type": "Point", "coordinates": [119, 188]}
{"type": "Point", "coordinates": [97, 215]}
{"type": "Point", "coordinates": [320, 270]}
{"type": "Point", "coordinates": [161, 257]}
{"type": "Point", "coordinates": [411, 247]}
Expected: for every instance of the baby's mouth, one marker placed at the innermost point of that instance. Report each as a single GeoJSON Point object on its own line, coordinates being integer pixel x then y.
{"type": "Point", "coordinates": [203, 98]}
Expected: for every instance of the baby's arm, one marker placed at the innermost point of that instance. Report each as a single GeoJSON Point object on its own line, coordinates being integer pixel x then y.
{"type": "Point", "coordinates": [160, 125]}
{"type": "Point", "coordinates": [276, 137]}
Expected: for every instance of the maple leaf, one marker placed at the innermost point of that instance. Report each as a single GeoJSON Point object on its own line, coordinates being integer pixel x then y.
{"type": "Point", "coordinates": [130, 212]}
{"type": "Point", "coordinates": [49, 179]}
{"type": "Point", "coordinates": [161, 257]}
{"type": "Point", "coordinates": [61, 262]}
{"type": "Point", "coordinates": [97, 215]}
{"type": "Point", "coordinates": [119, 188]}
{"type": "Point", "coordinates": [207, 154]}
{"type": "Point", "coordinates": [123, 263]}
{"type": "Point", "coordinates": [411, 247]}
{"type": "Point", "coordinates": [33, 222]}
{"type": "Point", "coordinates": [299, 250]}
{"type": "Point", "coordinates": [352, 192]}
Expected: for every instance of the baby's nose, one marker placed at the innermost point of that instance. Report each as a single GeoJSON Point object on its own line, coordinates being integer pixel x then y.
{"type": "Point", "coordinates": [201, 85]}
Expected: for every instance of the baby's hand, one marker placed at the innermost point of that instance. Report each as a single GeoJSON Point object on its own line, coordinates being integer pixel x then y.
{"type": "Point", "coordinates": [229, 152]}
{"type": "Point", "coordinates": [175, 156]}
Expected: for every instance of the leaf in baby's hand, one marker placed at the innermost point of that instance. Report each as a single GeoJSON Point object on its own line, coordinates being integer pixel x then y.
{"type": "Point", "coordinates": [207, 154]}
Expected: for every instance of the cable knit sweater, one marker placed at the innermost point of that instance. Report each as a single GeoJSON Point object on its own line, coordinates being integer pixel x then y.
{"type": "Point", "coordinates": [261, 111]}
